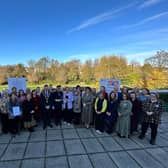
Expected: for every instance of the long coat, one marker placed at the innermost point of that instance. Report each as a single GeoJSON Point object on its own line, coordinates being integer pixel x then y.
{"type": "Point", "coordinates": [87, 111]}
{"type": "Point", "coordinates": [156, 108]}
{"type": "Point", "coordinates": [123, 122]}
{"type": "Point", "coordinates": [28, 107]}
{"type": "Point", "coordinates": [77, 104]}
{"type": "Point", "coordinates": [46, 101]}
{"type": "Point", "coordinates": [136, 110]}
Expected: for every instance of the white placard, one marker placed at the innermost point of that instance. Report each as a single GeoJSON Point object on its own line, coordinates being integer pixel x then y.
{"type": "Point", "coordinates": [110, 84]}
{"type": "Point", "coordinates": [19, 83]}
{"type": "Point", "coordinates": [16, 111]}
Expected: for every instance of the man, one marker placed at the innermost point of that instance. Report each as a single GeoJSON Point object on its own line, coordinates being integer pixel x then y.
{"type": "Point", "coordinates": [46, 105]}
{"type": "Point", "coordinates": [57, 104]}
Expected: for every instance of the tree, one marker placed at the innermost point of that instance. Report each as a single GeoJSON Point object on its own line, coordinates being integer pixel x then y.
{"type": "Point", "coordinates": [160, 60]}
{"type": "Point", "coordinates": [87, 71]}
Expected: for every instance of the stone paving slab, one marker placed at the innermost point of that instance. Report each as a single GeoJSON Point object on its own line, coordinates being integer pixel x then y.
{"type": "Point", "coordinates": [35, 150]}
{"type": "Point", "coordinates": [70, 134]}
{"type": "Point", "coordinates": [23, 137]}
{"type": "Point", "coordinates": [144, 159]}
{"type": "Point", "coordinates": [81, 161]}
{"type": "Point", "coordinates": [14, 151]}
{"type": "Point", "coordinates": [92, 145]}
{"type": "Point", "coordinates": [127, 143]}
{"type": "Point", "coordinates": [10, 164]}
{"type": "Point", "coordinates": [85, 133]}
{"type": "Point", "coordinates": [102, 160]}
{"type": "Point", "coordinates": [2, 149]}
{"type": "Point", "coordinates": [160, 155]}
{"type": "Point", "coordinates": [5, 138]}
{"type": "Point", "coordinates": [54, 135]}
{"type": "Point", "coordinates": [123, 160]}
{"type": "Point", "coordinates": [37, 136]}
{"type": "Point", "coordinates": [74, 147]}
{"type": "Point", "coordinates": [33, 163]}
{"type": "Point", "coordinates": [110, 144]}
{"type": "Point", "coordinates": [55, 148]}
{"type": "Point", "coordinates": [60, 162]}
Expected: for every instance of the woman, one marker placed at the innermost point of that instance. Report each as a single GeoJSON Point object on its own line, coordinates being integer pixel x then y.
{"type": "Point", "coordinates": [67, 105]}
{"type": "Point", "coordinates": [143, 97]}
{"type": "Point", "coordinates": [14, 114]}
{"type": "Point", "coordinates": [124, 112]}
{"type": "Point", "coordinates": [36, 101]}
{"type": "Point", "coordinates": [152, 117]}
{"type": "Point", "coordinates": [136, 109]}
{"type": "Point", "coordinates": [21, 97]}
{"type": "Point", "coordinates": [111, 114]}
{"type": "Point", "coordinates": [4, 111]}
{"type": "Point", "coordinates": [87, 110]}
{"type": "Point", "coordinates": [77, 107]}
{"type": "Point", "coordinates": [100, 109]}
{"type": "Point", "coordinates": [28, 111]}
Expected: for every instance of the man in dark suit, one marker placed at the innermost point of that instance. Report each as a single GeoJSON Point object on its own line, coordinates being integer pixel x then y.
{"type": "Point", "coordinates": [57, 103]}
{"type": "Point", "coordinates": [46, 105]}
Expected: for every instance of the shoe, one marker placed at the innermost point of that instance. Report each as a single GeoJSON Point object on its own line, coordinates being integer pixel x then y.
{"type": "Point", "coordinates": [65, 122]}
{"type": "Point", "coordinates": [141, 137]}
{"type": "Point", "coordinates": [152, 142]}
{"type": "Point", "coordinates": [99, 132]}
{"type": "Point", "coordinates": [69, 124]}
{"type": "Point", "coordinates": [87, 126]}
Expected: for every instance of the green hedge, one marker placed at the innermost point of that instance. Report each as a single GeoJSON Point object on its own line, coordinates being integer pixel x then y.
{"type": "Point", "coordinates": [164, 98]}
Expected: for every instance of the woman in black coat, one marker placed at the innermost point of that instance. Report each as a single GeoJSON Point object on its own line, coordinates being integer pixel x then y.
{"type": "Point", "coordinates": [111, 114]}
{"type": "Point", "coordinates": [28, 111]}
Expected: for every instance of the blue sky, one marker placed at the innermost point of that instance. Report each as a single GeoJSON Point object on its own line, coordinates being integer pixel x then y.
{"type": "Point", "coordinates": [81, 29]}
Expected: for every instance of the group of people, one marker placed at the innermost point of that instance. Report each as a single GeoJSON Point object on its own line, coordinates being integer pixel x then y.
{"type": "Point", "coordinates": [120, 112]}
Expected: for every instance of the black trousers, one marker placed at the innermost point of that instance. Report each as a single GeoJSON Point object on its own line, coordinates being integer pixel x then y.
{"type": "Point", "coordinates": [99, 122]}
{"type": "Point", "coordinates": [14, 125]}
{"type": "Point", "coordinates": [76, 118]}
{"type": "Point", "coordinates": [5, 123]}
{"type": "Point", "coordinates": [57, 116]}
{"type": "Point", "coordinates": [68, 114]}
{"type": "Point", "coordinates": [153, 127]}
{"type": "Point", "coordinates": [46, 115]}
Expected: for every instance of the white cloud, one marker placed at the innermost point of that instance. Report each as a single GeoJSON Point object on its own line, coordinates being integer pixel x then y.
{"type": "Point", "coordinates": [146, 20]}
{"type": "Point", "coordinates": [149, 3]}
{"type": "Point", "coordinates": [100, 18]}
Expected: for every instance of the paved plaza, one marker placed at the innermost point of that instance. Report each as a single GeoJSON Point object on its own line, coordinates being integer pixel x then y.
{"type": "Point", "coordinates": [75, 147]}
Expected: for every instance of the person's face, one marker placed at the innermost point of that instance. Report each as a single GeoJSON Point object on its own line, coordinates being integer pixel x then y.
{"type": "Point", "coordinates": [5, 95]}
{"type": "Point", "coordinates": [125, 90]}
{"type": "Point", "coordinates": [34, 94]}
{"type": "Point", "coordinates": [14, 89]}
{"type": "Point", "coordinates": [38, 89]}
{"type": "Point", "coordinates": [59, 88]}
{"type": "Point", "coordinates": [112, 95]}
{"type": "Point", "coordinates": [87, 91]}
{"type": "Point", "coordinates": [28, 96]}
{"type": "Point", "coordinates": [124, 97]}
{"type": "Point", "coordinates": [102, 89]}
{"type": "Point", "coordinates": [144, 92]}
{"type": "Point", "coordinates": [21, 92]}
{"type": "Point", "coordinates": [133, 96]}
{"type": "Point", "coordinates": [153, 97]}
{"type": "Point", "coordinates": [101, 96]}
{"type": "Point", "coordinates": [46, 88]}
{"type": "Point", "coordinates": [67, 89]}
